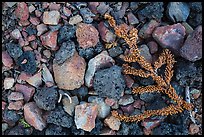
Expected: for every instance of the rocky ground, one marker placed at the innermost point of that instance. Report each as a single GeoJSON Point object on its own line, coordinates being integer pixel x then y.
{"type": "Point", "coordinates": [59, 78]}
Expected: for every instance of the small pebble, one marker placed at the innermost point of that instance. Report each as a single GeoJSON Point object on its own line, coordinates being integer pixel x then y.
{"type": "Point", "coordinates": [8, 83]}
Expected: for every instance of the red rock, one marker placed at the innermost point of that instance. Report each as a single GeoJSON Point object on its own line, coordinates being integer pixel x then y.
{"type": "Point", "coordinates": [54, 6]}
{"type": "Point", "coordinates": [85, 115]}
{"type": "Point", "coordinates": [87, 35]}
{"type": "Point", "coordinates": [21, 42]}
{"type": "Point", "coordinates": [33, 115]}
{"type": "Point", "coordinates": [93, 7]}
{"type": "Point", "coordinates": [21, 11]}
{"type": "Point", "coordinates": [35, 80]}
{"type": "Point", "coordinates": [129, 81]}
{"type": "Point", "coordinates": [41, 29]}
{"type": "Point", "coordinates": [128, 109]}
{"type": "Point", "coordinates": [27, 48]}
{"type": "Point", "coordinates": [153, 47]}
{"type": "Point", "coordinates": [6, 59]}
{"type": "Point", "coordinates": [24, 23]}
{"type": "Point", "coordinates": [31, 38]}
{"type": "Point", "coordinates": [38, 13]}
{"type": "Point", "coordinates": [3, 105]}
{"type": "Point", "coordinates": [51, 17]}
{"type": "Point", "coordinates": [8, 83]}
{"type": "Point", "coordinates": [110, 101]}
{"type": "Point", "coordinates": [23, 76]}
{"type": "Point", "coordinates": [193, 129]}
{"type": "Point", "coordinates": [146, 31]}
{"type": "Point", "coordinates": [15, 96]}
{"type": "Point", "coordinates": [138, 103]}
{"type": "Point", "coordinates": [192, 48]}
{"type": "Point", "coordinates": [166, 35]}
{"type": "Point", "coordinates": [70, 74]}
{"type": "Point", "coordinates": [34, 20]}
{"type": "Point", "coordinates": [67, 12]}
{"type": "Point", "coordinates": [49, 39]}
{"type": "Point", "coordinates": [112, 122]}
{"type": "Point", "coordinates": [105, 34]}
{"type": "Point", "coordinates": [132, 19]}
{"type": "Point", "coordinates": [28, 91]}
{"type": "Point", "coordinates": [15, 105]}
{"type": "Point", "coordinates": [16, 34]}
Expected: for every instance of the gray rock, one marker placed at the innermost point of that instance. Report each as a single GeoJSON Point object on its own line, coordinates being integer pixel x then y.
{"type": "Point", "coordinates": [54, 130]}
{"type": "Point", "coordinates": [14, 50]}
{"type": "Point", "coordinates": [10, 117]}
{"type": "Point", "coordinates": [144, 51]}
{"type": "Point", "coordinates": [149, 97]}
{"type": "Point", "coordinates": [4, 127]}
{"type": "Point", "coordinates": [65, 33]}
{"type": "Point", "coordinates": [126, 99]}
{"type": "Point", "coordinates": [115, 51]}
{"type": "Point", "coordinates": [87, 15]}
{"type": "Point", "coordinates": [109, 82]}
{"type": "Point", "coordinates": [46, 98]}
{"type": "Point", "coordinates": [69, 107]}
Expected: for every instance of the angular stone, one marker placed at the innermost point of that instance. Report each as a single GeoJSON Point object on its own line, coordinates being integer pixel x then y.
{"type": "Point", "coordinates": [35, 21]}
{"type": "Point", "coordinates": [6, 59]}
{"type": "Point", "coordinates": [144, 51]}
{"type": "Point", "coordinates": [69, 107]}
{"type": "Point", "coordinates": [46, 74]}
{"type": "Point", "coordinates": [153, 47]}
{"type": "Point", "coordinates": [75, 19]}
{"type": "Point", "coordinates": [31, 8]}
{"type": "Point", "coordinates": [112, 122]}
{"type": "Point", "coordinates": [193, 129]}
{"type": "Point", "coordinates": [110, 101]}
{"type": "Point", "coordinates": [87, 35]}
{"type": "Point", "coordinates": [129, 81]}
{"type": "Point", "coordinates": [70, 74]}
{"type": "Point", "coordinates": [125, 100]}
{"type": "Point", "coordinates": [138, 103]}
{"type": "Point", "coordinates": [166, 35]}
{"type": "Point", "coordinates": [28, 91]}
{"type": "Point", "coordinates": [33, 115]}
{"type": "Point", "coordinates": [15, 96]}
{"type": "Point", "coordinates": [35, 80]}
{"type": "Point", "coordinates": [49, 39]}
{"type": "Point", "coordinates": [41, 29]}
{"type": "Point", "coordinates": [99, 61]}
{"type": "Point", "coordinates": [85, 115]}
{"type": "Point", "coordinates": [21, 11]}
{"type": "Point", "coordinates": [132, 19]}
{"type": "Point", "coordinates": [149, 124]}
{"type": "Point", "coordinates": [66, 11]}
{"type": "Point", "coordinates": [8, 83]}
{"type": "Point", "coordinates": [51, 17]}
{"type": "Point", "coordinates": [54, 6]}
{"type": "Point", "coordinates": [128, 109]}
{"type": "Point", "coordinates": [107, 132]}
{"type": "Point", "coordinates": [15, 105]}
{"type": "Point", "coordinates": [192, 48]}
{"type": "Point", "coordinates": [16, 34]}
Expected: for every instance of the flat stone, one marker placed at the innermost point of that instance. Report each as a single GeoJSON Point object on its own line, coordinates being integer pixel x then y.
{"type": "Point", "coordinates": [192, 48]}
{"type": "Point", "coordinates": [70, 107]}
{"type": "Point", "coordinates": [85, 115]}
{"type": "Point", "coordinates": [75, 20]}
{"type": "Point", "coordinates": [35, 80]}
{"type": "Point", "coordinates": [41, 28]}
{"type": "Point", "coordinates": [49, 39]}
{"type": "Point", "coordinates": [70, 74]}
{"type": "Point", "coordinates": [125, 100]}
{"type": "Point", "coordinates": [15, 105]}
{"type": "Point", "coordinates": [8, 83]}
{"type": "Point", "coordinates": [112, 122]}
{"type": "Point", "coordinates": [99, 61]}
{"type": "Point", "coordinates": [21, 11]}
{"type": "Point", "coordinates": [132, 19]}
{"type": "Point", "coordinates": [15, 96]}
{"type": "Point", "coordinates": [144, 51]}
{"type": "Point", "coordinates": [16, 34]}
{"type": "Point", "coordinates": [153, 47]}
{"type": "Point", "coordinates": [28, 91]}
{"type": "Point", "coordinates": [51, 17]}
{"type": "Point", "coordinates": [33, 115]}
{"type": "Point", "coordinates": [6, 59]}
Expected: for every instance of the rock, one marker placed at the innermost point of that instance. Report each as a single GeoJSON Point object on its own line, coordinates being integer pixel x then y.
{"type": "Point", "coordinates": [75, 20]}
{"type": "Point", "coordinates": [192, 48]}
{"type": "Point", "coordinates": [41, 29]}
{"type": "Point", "coordinates": [105, 33]}
{"type": "Point", "coordinates": [138, 103]}
{"type": "Point", "coordinates": [6, 59]}
{"type": "Point", "coordinates": [195, 17]}
{"type": "Point", "coordinates": [103, 108]}
{"type": "Point", "coordinates": [125, 100]}
{"type": "Point", "coordinates": [188, 28]}
{"type": "Point", "coordinates": [59, 117]}
{"type": "Point", "coordinates": [54, 130]}
{"type": "Point", "coordinates": [54, 6]}
{"type": "Point", "coordinates": [92, 6]}
{"type": "Point", "coordinates": [51, 17]}
{"type": "Point", "coordinates": [107, 132]}
{"type": "Point", "coordinates": [72, 76]}
{"type": "Point", "coordinates": [21, 11]}
{"type": "Point", "coordinates": [132, 19]}
{"type": "Point", "coordinates": [38, 13]}
{"type": "Point", "coordinates": [102, 83]}
{"type": "Point", "coordinates": [144, 51]}
{"type": "Point", "coordinates": [27, 91]}
{"type": "Point", "coordinates": [178, 11]}
{"type": "Point", "coordinates": [15, 96]}
{"type": "Point", "coordinates": [33, 115]}
{"type": "Point", "coordinates": [87, 35]}
{"type": "Point", "coordinates": [154, 10]}
{"type": "Point", "coordinates": [146, 31]}
{"type": "Point", "coordinates": [129, 81]}
{"type": "Point", "coordinates": [153, 47]}
{"type": "Point", "coordinates": [3, 105]}
{"type": "Point", "coordinates": [156, 103]}
{"type": "Point", "coordinates": [98, 127]}
{"type": "Point", "coordinates": [14, 50]}
{"type": "Point", "coordinates": [46, 74]}
{"type": "Point", "coordinates": [193, 129]}
{"type": "Point", "coordinates": [8, 83]}
{"type": "Point", "coordinates": [166, 35]}
{"type": "Point", "coordinates": [85, 115]}
{"type": "Point", "coordinates": [31, 31]}
{"type": "Point", "coordinates": [115, 51]}
{"type": "Point", "coordinates": [47, 53]}
{"type": "Point", "coordinates": [65, 33]}
{"type": "Point", "coordinates": [46, 98]}
{"type": "Point", "coordinates": [16, 34]}
{"type": "Point", "coordinates": [99, 61]}
{"type": "Point", "coordinates": [31, 38]}
{"type": "Point", "coordinates": [49, 39]}
{"type": "Point", "coordinates": [4, 127]}
{"type": "Point", "coordinates": [23, 23]}
{"type": "Point", "coordinates": [195, 93]}
{"type": "Point", "coordinates": [129, 109]}
{"type": "Point", "coordinates": [55, 27]}
{"type": "Point", "coordinates": [35, 21]}
{"type": "Point", "coordinates": [69, 107]}
{"type": "Point", "coordinates": [27, 62]}
{"type": "Point", "coordinates": [110, 101]}
{"type": "Point", "coordinates": [112, 122]}
{"type": "Point", "coordinates": [66, 51]}
{"type": "Point", "coordinates": [67, 12]}
{"type": "Point", "coordinates": [17, 130]}
{"type": "Point", "coordinates": [149, 124]}
{"type": "Point", "coordinates": [31, 8]}
{"type": "Point", "coordinates": [102, 8]}
{"type": "Point", "coordinates": [148, 97]}
{"type": "Point", "coordinates": [35, 80]}
{"type": "Point", "coordinates": [82, 92]}
{"type": "Point", "coordinates": [10, 117]}
{"type": "Point", "coordinates": [130, 129]}
{"type": "Point", "coordinates": [87, 15]}
{"type": "Point", "coordinates": [15, 105]}
{"type": "Point", "coordinates": [10, 4]}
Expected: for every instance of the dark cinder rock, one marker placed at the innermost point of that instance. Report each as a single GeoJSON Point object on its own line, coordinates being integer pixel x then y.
{"type": "Point", "coordinates": [98, 127]}
{"type": "Point", "coordinates": [87, 15]}
{"type": "Point", "coordinates": [30, 66]}
{"type": "Point", "coordinates": [31, 31]}
{"type": "Point", "coordinates": [46, 98]}
{"type": "Point", "coordinates": [129, 129]}
{"type": "Point", "coordinates": [65, 33]}
{"type": "Point", "coordinates": [178, 11]}
{"type": "Point", "coordinates": [14, 50]}
{"type": "Point", "coordinates": [158, 103]}
{"type": "Point", "coordinates": [59, 117]}
{"type": "Point", "coordinates": [81, 92]}
{"type": "Point", "coordinates": [76, 131]}
{"type": "Point", "coordinates": [10, 117]}
{"type": "Point", "coordinates": [54, 130]}
{"type": "Point", "coordinates": [66, 51]}
{"type": "Point", "coordinates": [17, 130]}
{"type": "Point", "coordinates": [149, 97]}
{"type": "Point", "coordinates": [195, 17]}
{"type": "Point", "coordinates": [87, 53]}
{"type": "Point", "coordinates": [115, 51]}
{"type": "Point", "coordinates": [109, 82]}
